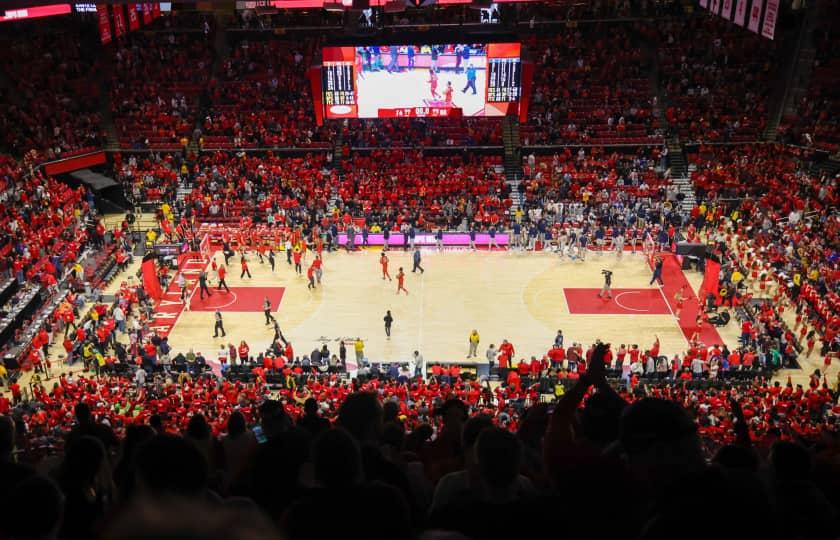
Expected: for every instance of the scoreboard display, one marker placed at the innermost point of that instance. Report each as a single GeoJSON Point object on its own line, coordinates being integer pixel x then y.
{"type": "Point", "coordinates": [337, 84]}
{"type": "Point", "coordinates": [504, 82]}
{"type": "Point", "coordinates": [434, 80]}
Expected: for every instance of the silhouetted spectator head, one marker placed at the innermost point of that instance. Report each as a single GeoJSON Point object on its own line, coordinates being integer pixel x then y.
{"type": "Point", "coordinates": [599, 419]}
{"type": "Point", "coordinates": [197, 428]}
{"type": "Point", "coordinates": [453, 411]}
{"type": "Point", "coordinates": [790, 461]}
{"type": "Point", "coordinates": [469, 435]}
{"type": "Point", "coordinates": [310, 406]}
{"type": "Point", "coordinates": [273, 418]}
{"type": "Point", "coordinates": [7, 437]}
{"type": "Point", "coordinates": [34, 511]}
{"type": "Point", "coordinates": [236, 425]}
{"type": "Point", "coordinates": [417, 439]}
{"type": "Point", "coordinates": [499, 455]}
{"type": "Point", "coordinates": [82, 462]}
{"type": "Point", "coordinates": [336, 459]}
{"type": "Point", "coordinates": [171, 465]}
{"type": "Point", "coordinates": [390, 411]}
{"type": "Point", "coordinates": [156, 422]}
{"type": "Point", "coordinates": [736, 457]}
{"type": "Point", "coordinates": [182, 519]}
{"type": "Point", "coordinates": [660, 440]}
{"type": "Point", "coordinates": [361, 416]}
{"type": "Point", "coordinates": [82, 412]}
{"type": "Point", "coordinates": [393, 435]}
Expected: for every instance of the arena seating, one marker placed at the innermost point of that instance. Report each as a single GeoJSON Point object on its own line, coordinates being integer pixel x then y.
{"type": "Point", "coordinates": [592, 86]}
{"type": "Point", "coordinates": [417, 132]}
{"type": "Point", "coordinates": [597, 175]}
{"type": "Point", "coordinates": [40, 109]}
{"type": "Point", "coordinates": [785, 216]}
{"type": "Point", "coordinates": [815, 121]}
{"type": "Point", "coordinates": [438, 190]}
{"type": "Point", "coordinates": [262, 98]}
{"type": "Point", "coordinates": [147, 443]}
{"type": "Point", "coordinates": [718, 78]}
{"type": "Point", "coordinates": [156, 82]}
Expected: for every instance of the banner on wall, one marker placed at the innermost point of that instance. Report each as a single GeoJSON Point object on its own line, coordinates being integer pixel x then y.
{"type": "Point", "coordinates": [155, 10]}
{"type": "Point", "coordinates": [726, 10]}
{"type": "Point", "coordinates": [740, 12]}
{"type": "Point", "coordinates": [119, 20]}
{"type": "Point", "coordinates": [755, 15]}
{"type": "Point", "coordinates": [133, 19]}
{"type": "Point", "coordinates": [711, 280]}
{"type": "Point", "coordinates": [104, 24]}
{"type": "Point", "coordinates": [714, 6]}
{"type": "Point", "coordinates": [147, 13]}
{"type": "Point", "coordinates": [151, 284]}
{"type": "Point", "coordinates": [771, 13]}
{"type": "Point", "coordinates": [704, 4]}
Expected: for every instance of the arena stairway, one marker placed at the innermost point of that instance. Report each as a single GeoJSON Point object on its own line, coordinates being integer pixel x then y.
{"type": "Point", "coordinates": [512, 158]}
{"type": "Point", "coordinates": [829, 167]}
{"type": "Point", "coordinates": [797, 69]}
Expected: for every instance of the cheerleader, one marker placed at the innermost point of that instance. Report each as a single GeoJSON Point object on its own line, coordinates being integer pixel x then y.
{"type": "Point", "coordinates": [811, 340]}
{"type": "Point", "coordinates": [679, 298]}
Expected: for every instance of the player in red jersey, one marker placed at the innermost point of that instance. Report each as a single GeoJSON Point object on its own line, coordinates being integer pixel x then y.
{"type": "Point", "coordinates": [383, 260]}
{"type": "Point", "coordinates": [433, 82]}
{"type": "Point", "coordinates": [401, 281]}
{"type": "Point", "coordinates": [447, 94]}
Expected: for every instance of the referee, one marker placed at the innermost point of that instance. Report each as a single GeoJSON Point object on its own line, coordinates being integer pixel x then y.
{"type": "Point", "coordinates": [269, 318]}
{"type": "Point", "coordinates": [219, 324]}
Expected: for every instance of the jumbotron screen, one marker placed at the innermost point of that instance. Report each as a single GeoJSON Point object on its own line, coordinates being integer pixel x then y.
{"type": "Point", "coordinates": [427, 80]}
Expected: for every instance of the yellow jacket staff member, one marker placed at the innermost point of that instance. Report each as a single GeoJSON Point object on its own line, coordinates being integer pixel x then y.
{"type": "Point", "coordinates": [474, 339]}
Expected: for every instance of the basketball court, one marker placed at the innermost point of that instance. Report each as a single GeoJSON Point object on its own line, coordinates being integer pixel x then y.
{"type": "Point", "coordinates": [522, 297]}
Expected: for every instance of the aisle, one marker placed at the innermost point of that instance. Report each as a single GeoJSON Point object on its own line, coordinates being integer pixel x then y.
{"type": "Point", "coordinates": [673, 279]}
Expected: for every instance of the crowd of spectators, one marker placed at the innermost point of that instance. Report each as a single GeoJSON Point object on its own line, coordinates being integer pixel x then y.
{"type": "Point", "coordinates": [157, 79]}
{"type": "Point", "coordinates": [421, 132]}
{"type": "Point", "coordinates": [50, 99]}
{"type": "Point", "coordinates": [717, 76]}
{"type": "Point", "coordinates": [815, 120]}
{"type": "Point", "coordinates": [784, 221]}
{"type": "Point", "coordinates": [450, 191]}
{"type": "Point", "coordinates": [430, 455]}
{"type": "Point", "coordinates": [262, 98]}
{"type": "Point", "coordinates": [591, 85]}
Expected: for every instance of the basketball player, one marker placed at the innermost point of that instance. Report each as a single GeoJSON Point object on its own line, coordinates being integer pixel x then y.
{"type": "Point", "coordinates": [222, 282]}
{"type": "Point", "coordinates": [401, 282]}
{"type": "Point", "coordinates": [310, 274]}
{"type": "Point", "coordinates": [618, 241]}
{"type": "Point", "coordinates": [271, 259]}
{"type": "Point", "coordinates": [316, 264]}
{"type": "Point", "coordinates": [245, 270]}
{"type": "Point", "coordinates": [583, 240]}
{"type": "Point", "coordinates": [447, 94]}
{"type": "Point", "coordinates": [383, 261]}
{"type": "Point", "coordinates": [433, 82]}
